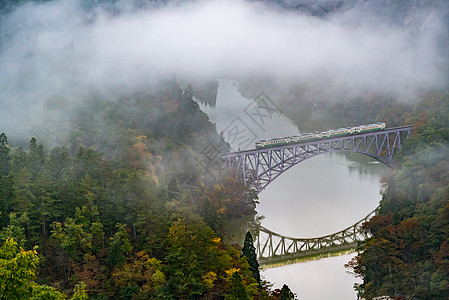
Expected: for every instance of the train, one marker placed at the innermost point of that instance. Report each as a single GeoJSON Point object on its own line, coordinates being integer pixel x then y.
{"type": "Point", "coordinates": [307, 137]}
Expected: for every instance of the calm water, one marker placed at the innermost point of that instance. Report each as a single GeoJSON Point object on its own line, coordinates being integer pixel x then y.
{"type": "Point", "coordinates": [320, 196]}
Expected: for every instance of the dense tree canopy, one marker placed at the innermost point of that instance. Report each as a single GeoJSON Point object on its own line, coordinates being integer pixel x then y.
{"type": "Point", "coordinates": [124, 222]}
{"type": "Point", "coordinates": [408, 253]}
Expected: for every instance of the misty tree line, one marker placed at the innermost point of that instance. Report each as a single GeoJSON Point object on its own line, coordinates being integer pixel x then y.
{"type": "Point", "coordinates": [407, 256]}
{"type": "Point", "coordinates": [117, 225]}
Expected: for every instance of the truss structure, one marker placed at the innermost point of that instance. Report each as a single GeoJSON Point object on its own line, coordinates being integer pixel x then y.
{"type": "Point", "coordinates": [257, 168]}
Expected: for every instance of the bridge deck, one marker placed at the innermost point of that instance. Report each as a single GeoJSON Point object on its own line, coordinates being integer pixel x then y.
{"type": "Point", "coordinates": [259, 167]}
{"type": "Point", "coordinates": [252, 151]}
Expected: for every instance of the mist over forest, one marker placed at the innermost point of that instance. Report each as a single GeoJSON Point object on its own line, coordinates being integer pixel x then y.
{"type": "Point", "coordinates": [103, 191]}
{"type": "Point", "coordinates": [69, 50]}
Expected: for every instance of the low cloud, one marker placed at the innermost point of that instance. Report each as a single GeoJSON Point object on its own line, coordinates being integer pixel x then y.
{"type": "Point", "coordinates": [60, 49]}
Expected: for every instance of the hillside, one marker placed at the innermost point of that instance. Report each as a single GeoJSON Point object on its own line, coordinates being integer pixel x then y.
{"type": "Point", "coordinates": [407, 256]}
{"type": "Point", "coordinates": [123, 223]}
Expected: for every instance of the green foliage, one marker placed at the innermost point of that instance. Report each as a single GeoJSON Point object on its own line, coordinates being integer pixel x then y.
{"type": "Point", "coordinates": [6, 195]}
{"type": "Point", "coordinates": [17, 269]}
{"type": "Point", "coordinates": [141, 272]}
{"type": "Point", "coordinates": [47, 205]}
{"type": "Point", "coordinates": [5, 160]}
{"type": "Point", "coordinates": [104, 214]}
{"type": "Point", "coordinates": [210, 215]}
{"type": "Point", "coordinates": [80, 292]}
{"type": "Point", "coordinates": [15, 229]}
{"type": "Point", "coordinates": [45, 292]}
{"type": "Point", "coordinates": [407, 253]}
{"type": "Point", "coordinates": [286, 293]}
{"type": "Point", "coordinates": [237, 289]}
{"type": "Point", "coordinates": [198, 264]}
{"type": "Point", "coordinates": [23, 197]}
{"type": "Point", "coordinates": [119, 246]}
{"type": "Point", "coordinates": [19, 159]}
{"type": "Point", "coordinates": [249, 251]}
{"type": "Point", "coordinates": [80, 235]}
{"type": "Point", "coordinates": [36, 157]}
{"type": "Point", "coordinates": [186, 260]}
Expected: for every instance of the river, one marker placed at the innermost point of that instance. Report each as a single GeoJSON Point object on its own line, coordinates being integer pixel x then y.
{"type": "Point", "coordinates": [320, 196]}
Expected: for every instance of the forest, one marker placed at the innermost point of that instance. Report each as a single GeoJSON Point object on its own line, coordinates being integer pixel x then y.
{"type": "Point", "coordinates": [125, 223]}
{"type": "Point", "coordinates": [126, 209]}
{"type": "Point", "coordinates": [407, 256]}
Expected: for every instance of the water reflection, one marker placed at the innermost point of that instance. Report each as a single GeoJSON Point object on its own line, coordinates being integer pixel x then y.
{"type": "Point", "coordinates": [319, 196]}
{"type": "Point", "coordinates": [319, 279]}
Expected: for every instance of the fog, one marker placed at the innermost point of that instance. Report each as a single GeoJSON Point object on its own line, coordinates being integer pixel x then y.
{"type": "Point", "coordinates": [62, 50]}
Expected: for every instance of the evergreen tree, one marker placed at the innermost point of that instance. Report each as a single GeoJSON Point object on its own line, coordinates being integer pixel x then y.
{"type": "Point", "coordinates": [6, 196]}
{"type": "Point", "coordinates": [19, 160]}
{"type": "Point", "coordinates": [237, 289]}
{"type": "Point", "coordinates": [210, 215]}
{"type": "Point", "coordinates": [286, 293]}
{"type": "Point", "coordinates": [5, 160]}
{"type": "Point", "coordinates": [15, 229]}
{"type": "Point", "coordinates": [47, 205]}
{"type": "Point", "coordinates": [36, 157]}
{"type": "Point", "coordinates": [250, 252]}
{"type": "Point", "coordinates": [119, 247]}
{"type": "Point", "coordinates": [23, 196]}
{"type": "Point", "coordinates": [59, 164]}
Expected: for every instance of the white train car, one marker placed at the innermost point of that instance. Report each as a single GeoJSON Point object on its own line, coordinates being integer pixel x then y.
{"type": "Point", "coordinates": [332, 133]}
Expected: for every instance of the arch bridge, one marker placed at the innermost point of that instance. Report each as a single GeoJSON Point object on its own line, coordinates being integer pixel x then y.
{"type": "Point", "coordinates": [272, 247]}
{"type": "Point", "coordinates": [257, 168]}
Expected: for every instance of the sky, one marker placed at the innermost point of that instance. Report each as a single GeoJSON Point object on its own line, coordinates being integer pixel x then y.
{"type": "Point", "coordinates": [59, 50]}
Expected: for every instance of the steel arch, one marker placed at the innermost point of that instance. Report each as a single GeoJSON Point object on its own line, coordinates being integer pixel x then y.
{"type": "Point", "coordinates": [257, 168]}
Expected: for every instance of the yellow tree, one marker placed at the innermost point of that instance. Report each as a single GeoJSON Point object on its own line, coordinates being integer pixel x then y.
{"type": "Point", "coordinates": [18, 269]}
